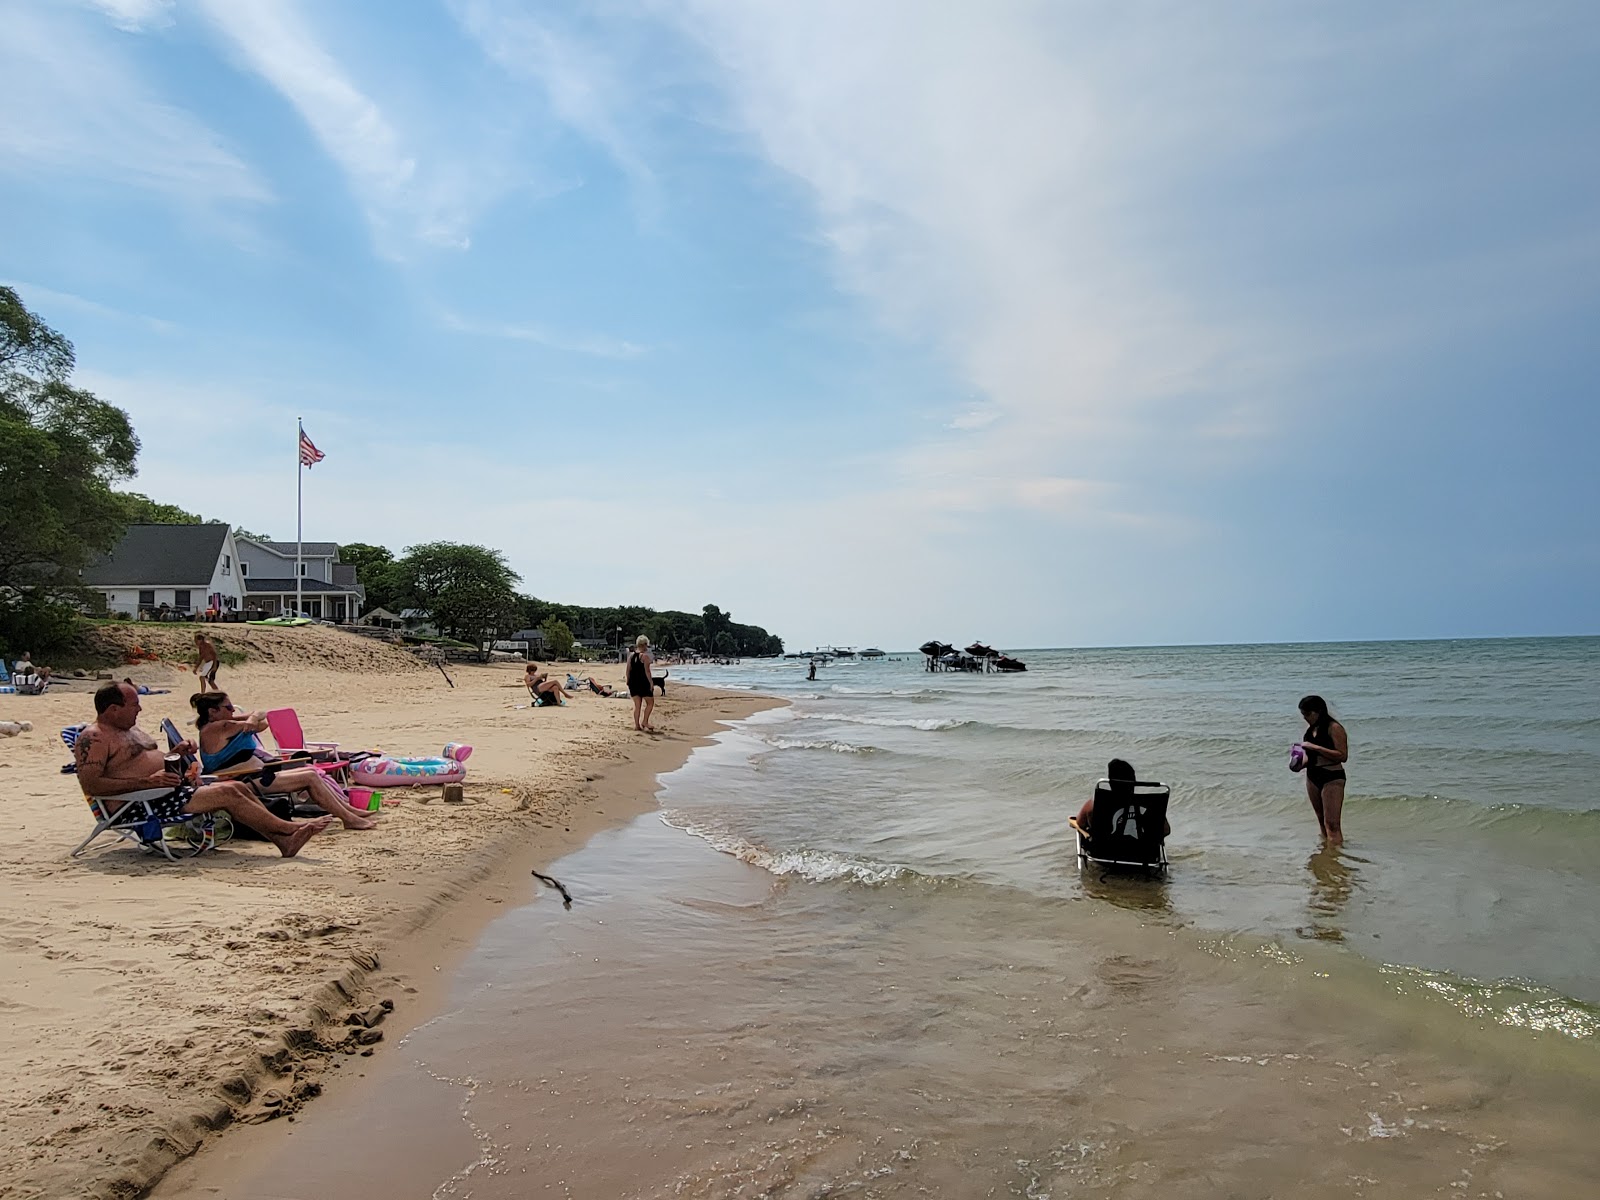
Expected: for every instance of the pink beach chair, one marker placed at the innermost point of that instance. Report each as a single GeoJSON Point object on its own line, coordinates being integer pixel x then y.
{"type": "Point", "coordinates": [285, 726]}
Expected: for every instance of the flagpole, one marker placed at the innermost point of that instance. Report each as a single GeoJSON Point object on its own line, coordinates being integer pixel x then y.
{"type": "Point", "coordinates": [299, 544]}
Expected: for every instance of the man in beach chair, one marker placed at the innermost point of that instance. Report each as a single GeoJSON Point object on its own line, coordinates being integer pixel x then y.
{"type": "Point", "coordinates": [128, 785]}
{"type": "Point", "coordinates": [1124, 824]}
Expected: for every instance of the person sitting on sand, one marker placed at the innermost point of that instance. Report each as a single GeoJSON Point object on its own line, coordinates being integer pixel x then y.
{"type": "Point", "coordinates": [206, 663]}
{"type": "Point", "coordinates": [600, 689]}
{"type": "Point", "coordinates": [115, 758]}
{"type": "Point", "coordinates": [542, 688]}
{"type": "Point", "coordinates": [228, 739]}
{"type": "Point", "coordinates": [32, 682]}
{"type": "Point", "coordinates": [1119, 773]}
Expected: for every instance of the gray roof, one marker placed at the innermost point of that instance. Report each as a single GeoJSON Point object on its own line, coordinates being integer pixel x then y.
{"type": "Point", "coordinates": [315, 587]}
{"type": "Point", "coordinates": [308, 549]}
{"type": "Point", "coordinates": [160, 556]}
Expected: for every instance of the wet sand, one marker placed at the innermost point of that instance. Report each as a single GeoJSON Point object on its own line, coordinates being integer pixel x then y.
{"type": "Point", "coordinates": [150, 1004]}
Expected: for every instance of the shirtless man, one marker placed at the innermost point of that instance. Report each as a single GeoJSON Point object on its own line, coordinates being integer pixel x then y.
{"type": "Point", "coordinates": [116, 758]}
{"type": "Point", "coordinates": [206, 663]}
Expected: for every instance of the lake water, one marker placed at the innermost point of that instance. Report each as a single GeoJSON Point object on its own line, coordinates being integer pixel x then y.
{"type": "Point", "coordinates": [854, 955]}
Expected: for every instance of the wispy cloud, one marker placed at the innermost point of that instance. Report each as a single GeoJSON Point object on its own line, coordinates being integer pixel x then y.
{"type": "Point", "coordinates": [585, 88]}
{"type": "Point", "coordinates": [75, 108]}
{"type": "Point", "coordinates": [597, 345]}
{"type": "Point", "coordinates": [37, 296]}
{"type": "Point", "coordinates": [135, 16]}
{"type": "Point", "coordinates": [414, 187]}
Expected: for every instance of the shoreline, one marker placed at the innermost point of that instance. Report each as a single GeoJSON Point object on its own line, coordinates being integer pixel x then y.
{"type": "Point", "coordinates": [106, 1106]}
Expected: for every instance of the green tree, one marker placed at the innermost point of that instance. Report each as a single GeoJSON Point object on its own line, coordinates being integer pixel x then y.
{"type": "Point", "coordinates": [142, 510]}
{"type": "Point", "coordinates": [467, 590]}
{"type": "Point", "coordinates": [60, 450]}
{"type": "Point", "coordinates": [375, 569]}
{"type": "Point", "coordinates": [557, 637]}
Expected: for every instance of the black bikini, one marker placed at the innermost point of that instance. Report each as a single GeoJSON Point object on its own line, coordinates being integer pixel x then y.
{"type": "Point", "coordinates": [1321, 736]}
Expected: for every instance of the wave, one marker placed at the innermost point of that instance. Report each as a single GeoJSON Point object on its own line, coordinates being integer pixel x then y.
{"type": "Point", "coordinates": [814, 866]}
{"type": "Point", "coordinates": [1517, 1003]}
{"type": "Point", "coordinates": [820, 744]}
{"type": "Point", "coordinates": [926, 724]}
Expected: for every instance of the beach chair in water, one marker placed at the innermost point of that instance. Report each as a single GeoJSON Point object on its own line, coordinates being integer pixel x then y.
{"type": "Point", "coordinates": [1127, 827]}
{"type": "Point", "coordinates": [133, 817]}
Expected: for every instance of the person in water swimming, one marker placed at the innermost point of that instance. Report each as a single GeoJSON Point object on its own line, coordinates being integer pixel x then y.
{"type": "Point", "coordinates": [1119, 774]}
{"type": "Point", "coordinates": [228, 739]}
{"type": "Point", "coordinates": [1327, 747]}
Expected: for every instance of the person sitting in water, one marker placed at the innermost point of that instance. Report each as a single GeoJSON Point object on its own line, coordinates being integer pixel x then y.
{"type": "Point", "coordinates": [228, 739]}
{"type": "Point", "coordinates": [115, 758]}
{"type": "Point", "coordinates": [1119, 774]}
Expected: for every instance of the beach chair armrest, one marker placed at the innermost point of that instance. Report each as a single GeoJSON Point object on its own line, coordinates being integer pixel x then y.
{"type": "Point", "coordinates": [321, 746]}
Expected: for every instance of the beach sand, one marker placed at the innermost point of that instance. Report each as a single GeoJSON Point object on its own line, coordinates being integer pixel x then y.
{"type": "Point", "coordinates": [149, 1004]}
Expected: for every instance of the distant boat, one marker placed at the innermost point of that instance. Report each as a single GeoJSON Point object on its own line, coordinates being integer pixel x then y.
{"type": "Point", "coordinates": [979, 650]}
{"type": "Point", "coordinates": [1004, 662]}
{"type": "Point", "coordinates": [872, 652]}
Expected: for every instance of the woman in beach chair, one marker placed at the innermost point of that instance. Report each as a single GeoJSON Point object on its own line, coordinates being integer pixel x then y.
{"type": "Point", "coordinates": [228, 739]}
{"type": "Point", "coordinates": [1116, 827]}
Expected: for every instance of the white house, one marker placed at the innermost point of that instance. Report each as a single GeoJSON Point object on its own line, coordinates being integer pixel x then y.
{"type": "Point", "coordinates": [188, 568]}
{"type": "Point", "coordinates": [328, 588]}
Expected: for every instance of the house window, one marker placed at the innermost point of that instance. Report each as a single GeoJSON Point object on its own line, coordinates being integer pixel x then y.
{"type": "Point", "coordinates": [147, 598]}
{"type": "Point", "coordinates": [303, 568]}
{"type": "Point", "coordinates": [180, 599]}
{"type": "Point", "coordinates": [244, 567]}
{"type": "Point", "coordinates": [227, 564]}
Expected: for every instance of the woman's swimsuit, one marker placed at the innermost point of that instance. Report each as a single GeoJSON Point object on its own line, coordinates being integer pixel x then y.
{"type": "Point", "coordinates": [240, 747]}
{"type": "Point", "coordinates": [1320, 733]}
{"type": "Point", "coordinates": [638, 676]}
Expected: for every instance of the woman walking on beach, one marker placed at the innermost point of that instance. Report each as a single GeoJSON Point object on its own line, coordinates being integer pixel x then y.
{"type": "Point", "coordinates": [1327, 747]}
{"type": "Point", "coordinates": [640, 686]}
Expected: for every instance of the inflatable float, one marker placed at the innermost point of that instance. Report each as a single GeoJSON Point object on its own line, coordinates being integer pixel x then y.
{"type": "Point", "coordinates": [388, 771]}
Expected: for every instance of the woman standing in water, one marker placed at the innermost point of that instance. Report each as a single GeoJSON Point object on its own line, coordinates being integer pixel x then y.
{"type": "Point", "coordinates": [1327, 747]}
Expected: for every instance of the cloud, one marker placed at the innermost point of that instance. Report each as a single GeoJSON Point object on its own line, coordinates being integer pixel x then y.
{"type": "Point", "coordinates": [36, 297]}
{"type": "Point", "coordinates": [135, 16]}
{"type": "Point", "coordinates": [597, 345]}
{"type": "Point", "coordinates": [74, 108]}
{"type": "Point", "coordinates": [583, 85]}
{"type": "Point", "coordinates": [414, 188]}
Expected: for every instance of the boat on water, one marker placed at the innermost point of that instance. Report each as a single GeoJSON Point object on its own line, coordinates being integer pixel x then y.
{"type": "Point", "coordinates": [872, 652]}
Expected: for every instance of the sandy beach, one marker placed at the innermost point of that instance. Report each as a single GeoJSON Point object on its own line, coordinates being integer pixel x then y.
{"type": "Point", "coordinates": [150, 1004]}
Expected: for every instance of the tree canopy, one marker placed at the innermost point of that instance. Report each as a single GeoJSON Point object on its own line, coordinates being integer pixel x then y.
{"type": "Point", "coordinates": [61, 448]}
{"type": "Point", "coordinates": [469, 591]}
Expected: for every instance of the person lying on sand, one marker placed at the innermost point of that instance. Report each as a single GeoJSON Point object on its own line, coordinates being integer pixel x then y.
{"type": "Point", "coordinates": [117, 758]}
{"type": "Point", "coordinates": [228, 739]}
{"type": "Point", "coordinates": [146, 691]}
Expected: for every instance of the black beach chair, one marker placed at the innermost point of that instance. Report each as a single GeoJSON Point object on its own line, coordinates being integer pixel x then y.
{"type": "Point", "coordinates": [1127, 827]}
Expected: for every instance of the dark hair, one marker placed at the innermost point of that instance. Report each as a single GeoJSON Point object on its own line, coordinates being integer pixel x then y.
{"type": "Point", "coordinates": [1121, 768]}
{"type": "Point", "coordinates": [108, 695]}
{"type": "Point", "coordinates": [1315, 705]}
{"type": "Point", "coordinates": [205, 703]}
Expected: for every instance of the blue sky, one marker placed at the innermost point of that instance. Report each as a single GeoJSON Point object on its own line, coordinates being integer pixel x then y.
{"type": "Point", "coordinates": [1045, 324]}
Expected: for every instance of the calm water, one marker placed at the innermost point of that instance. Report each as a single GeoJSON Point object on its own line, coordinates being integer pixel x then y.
{"type": "Point", "coordinates": [853, 954]}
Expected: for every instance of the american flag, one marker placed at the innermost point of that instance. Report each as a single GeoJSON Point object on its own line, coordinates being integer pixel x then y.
{"type": "Point", "coordinates": [309, 454]}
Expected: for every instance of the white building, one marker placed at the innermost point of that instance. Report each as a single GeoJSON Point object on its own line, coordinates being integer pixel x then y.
{"type": "Point", "coordinates": [186, 568]}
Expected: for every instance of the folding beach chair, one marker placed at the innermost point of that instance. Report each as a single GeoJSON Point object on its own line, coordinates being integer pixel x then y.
{"type": "Point", "coordinates": [285, 726]}
{"type": "Point", "coordinates": [134, 817]}
{"type": "Point", "coordinates": [1127, 827]}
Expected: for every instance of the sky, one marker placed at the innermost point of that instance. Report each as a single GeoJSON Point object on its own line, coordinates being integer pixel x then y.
{"type": "Point", "coordinates": [1042, 324]}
